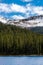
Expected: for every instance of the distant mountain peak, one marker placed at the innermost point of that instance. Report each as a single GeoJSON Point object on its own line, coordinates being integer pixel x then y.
{"type": "Point", "coordinates": [32, 21]}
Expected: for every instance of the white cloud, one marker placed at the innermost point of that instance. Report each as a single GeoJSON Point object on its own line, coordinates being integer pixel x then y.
{"type": "Point", "coordinates": [34, 9]}
{"type": "Point", "coordinates": [5, 8]}
{"type": "Point", "coordinates": [17, 17]}
{"type": "Point", "coordinates": [38, 10]}
{"type": "Point", "coordinates": [8, 8]}
{"type": "Point", "coordinates": [26, 0]}
{"type": "Point", "coordinates": [18, 8]}
{"type": "Point", "coordinates": [26, 10]}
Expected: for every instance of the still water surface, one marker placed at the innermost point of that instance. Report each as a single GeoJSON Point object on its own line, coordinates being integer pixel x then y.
{"type": "Point", "coordinates": [21, 60]}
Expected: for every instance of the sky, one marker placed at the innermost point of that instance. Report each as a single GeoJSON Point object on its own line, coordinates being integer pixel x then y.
{"type": "Point", "coordinates": [20, 9]}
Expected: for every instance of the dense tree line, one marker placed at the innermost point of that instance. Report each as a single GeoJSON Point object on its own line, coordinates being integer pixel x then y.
{"type": "Point", "coordinates": [18, 41]}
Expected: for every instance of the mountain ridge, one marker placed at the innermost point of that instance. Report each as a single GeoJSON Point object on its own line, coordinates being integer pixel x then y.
{"type": "Point", "coordinates": [33, 21]}
{"type": "Point", "coordinates": [15, 40]}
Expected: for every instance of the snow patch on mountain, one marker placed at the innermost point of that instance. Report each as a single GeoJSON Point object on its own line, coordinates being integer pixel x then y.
{"type": "Point", "coordinates": [30, 22]}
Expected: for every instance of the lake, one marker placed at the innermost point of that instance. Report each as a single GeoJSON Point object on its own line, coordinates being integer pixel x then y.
{"type": "Point", "coordinates": [21, 60]}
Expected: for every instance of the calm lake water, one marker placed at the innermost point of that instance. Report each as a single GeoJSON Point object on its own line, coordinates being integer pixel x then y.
{"type": "Point", "coordinates": [21, 60]}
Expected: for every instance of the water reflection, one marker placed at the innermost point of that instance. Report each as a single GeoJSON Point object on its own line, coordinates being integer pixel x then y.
{"type": "Point", "coordinates": [21, 60]}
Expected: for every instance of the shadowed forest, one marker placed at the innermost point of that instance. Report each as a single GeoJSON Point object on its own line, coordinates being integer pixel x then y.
{"type": "Point", "coordinates": [18, 41]}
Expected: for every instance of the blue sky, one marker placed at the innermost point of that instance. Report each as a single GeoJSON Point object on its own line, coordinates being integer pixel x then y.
{"type": "Point", "coordinates": [19, 9]}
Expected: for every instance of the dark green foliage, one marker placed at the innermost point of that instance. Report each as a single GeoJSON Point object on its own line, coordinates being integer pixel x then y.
{"type": "Point", "coordinates": [17, 41]}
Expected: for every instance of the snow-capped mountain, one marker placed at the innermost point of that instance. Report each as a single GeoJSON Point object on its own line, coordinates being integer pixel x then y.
{"type": "Point", "coordinates": [3, 20]}
{"type": "Point", "coordinates": [34, 21]}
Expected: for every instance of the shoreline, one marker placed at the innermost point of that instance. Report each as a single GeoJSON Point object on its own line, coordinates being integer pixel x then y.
{"type": "Point", "coordinates": [21, 55]}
